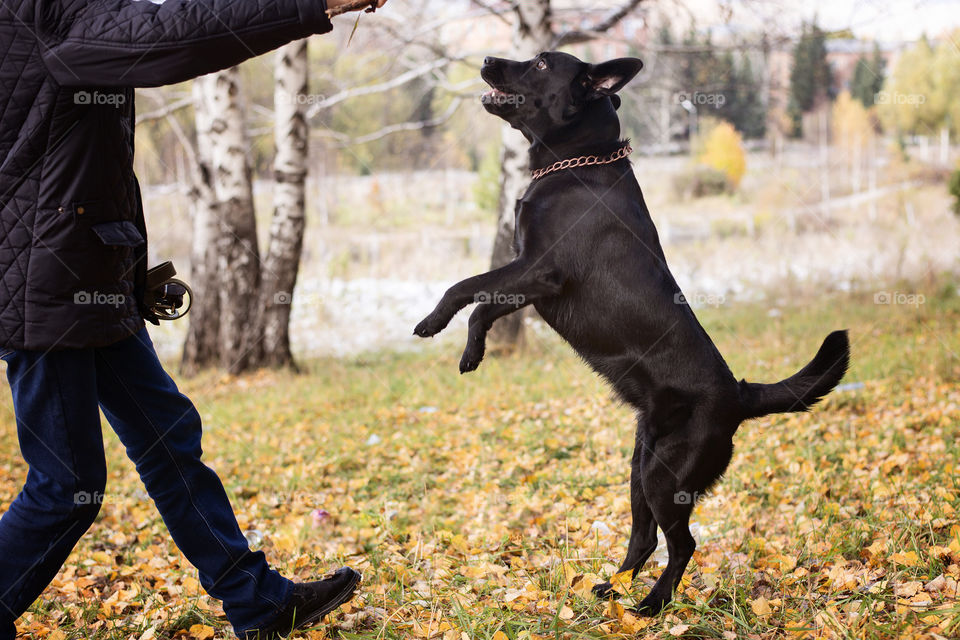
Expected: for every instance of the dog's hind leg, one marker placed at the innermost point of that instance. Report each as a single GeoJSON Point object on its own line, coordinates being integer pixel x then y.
{"type": "Point", "coordinates": [681, 466]}
{"type": "Point", "coordinates": [643, 533]}
{"type": "Point", "coordinates": [671, 505]}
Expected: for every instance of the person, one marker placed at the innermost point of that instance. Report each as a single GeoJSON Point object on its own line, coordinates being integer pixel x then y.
{"type": "Point", "coordinates": [72, 270]}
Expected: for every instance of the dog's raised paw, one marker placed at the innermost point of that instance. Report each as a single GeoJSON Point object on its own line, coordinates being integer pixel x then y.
{"type": "Point", "coordinates": [468, 364]}
{"type": "Point", "coordinates": [471, 359]}
{"type": "Point", "coordinates": [426, 329]}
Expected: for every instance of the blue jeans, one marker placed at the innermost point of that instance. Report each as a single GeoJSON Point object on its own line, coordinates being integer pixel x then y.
{"type": "Point", "coordinates": [57, 397]}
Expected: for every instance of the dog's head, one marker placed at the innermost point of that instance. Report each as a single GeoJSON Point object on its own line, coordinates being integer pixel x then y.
{"type": "Point", "coordinates": [555, 91]}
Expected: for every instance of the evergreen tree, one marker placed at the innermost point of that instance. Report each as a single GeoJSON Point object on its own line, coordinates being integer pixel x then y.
{"type": "Point", "coordinates": [868, 78]}
{"type": "Point", "coordinates": [750, 116]}
{"type": "Point", "coordinates": [810, 76]}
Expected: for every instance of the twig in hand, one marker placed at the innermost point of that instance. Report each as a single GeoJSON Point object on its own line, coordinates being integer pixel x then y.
{"type": "Point", "coordinates": [354, 5]}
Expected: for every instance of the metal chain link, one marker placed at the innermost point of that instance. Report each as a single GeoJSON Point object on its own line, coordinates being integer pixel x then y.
{"type": "Point", "coordinates": [583, 161]}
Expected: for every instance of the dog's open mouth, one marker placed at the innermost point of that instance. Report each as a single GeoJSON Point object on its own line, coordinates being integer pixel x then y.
{"type": "Point", "coordinates": [501, 98]}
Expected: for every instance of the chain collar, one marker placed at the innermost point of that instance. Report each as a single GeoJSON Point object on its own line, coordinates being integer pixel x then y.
{"type": "Point", "coordinates": [583, 161]}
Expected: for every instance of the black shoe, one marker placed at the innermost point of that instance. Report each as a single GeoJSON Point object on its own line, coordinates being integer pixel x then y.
{"type": "Point", "coordinates": [310, 602]}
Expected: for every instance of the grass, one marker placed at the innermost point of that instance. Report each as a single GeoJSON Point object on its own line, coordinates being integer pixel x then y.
{"type": "Point", "coordinates": [477, 506]}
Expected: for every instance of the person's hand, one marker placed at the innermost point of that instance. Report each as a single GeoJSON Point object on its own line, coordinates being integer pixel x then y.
{"type": "Point", "coordinates": [336, 7]}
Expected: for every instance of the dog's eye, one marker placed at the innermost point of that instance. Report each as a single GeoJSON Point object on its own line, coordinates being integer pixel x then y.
{"type": "Point", "coordinates": [542, 65]}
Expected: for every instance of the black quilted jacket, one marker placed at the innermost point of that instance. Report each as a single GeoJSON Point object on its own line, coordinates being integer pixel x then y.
{"type": "Point", "coordinates": [72, 237]}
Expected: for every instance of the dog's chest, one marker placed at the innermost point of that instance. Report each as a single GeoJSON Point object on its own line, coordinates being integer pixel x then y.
{"type": "Point", "coordinates": [521, 222]}
{"type": "Point", "coordinates": [528, 213]}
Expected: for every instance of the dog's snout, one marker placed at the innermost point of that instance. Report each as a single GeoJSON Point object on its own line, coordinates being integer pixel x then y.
{"type": "Point", "coordinates": [489, 60]}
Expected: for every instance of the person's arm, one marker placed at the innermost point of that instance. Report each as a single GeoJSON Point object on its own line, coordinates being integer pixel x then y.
{"type": "Point", "coordinates": [137, 43]}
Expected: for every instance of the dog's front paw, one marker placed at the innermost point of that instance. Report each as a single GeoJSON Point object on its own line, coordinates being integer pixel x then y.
{"type": "Point", "coordinates": [603, 590]}
{"type": "Point", "coordinates": [469, 362]}
{"type": "Point", "coordinates": [472, 356]}
{"type": "Point", "coordinates": [429, 327]}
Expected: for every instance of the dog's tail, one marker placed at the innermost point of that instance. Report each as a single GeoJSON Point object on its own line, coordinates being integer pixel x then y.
{"type": "Point", "coordinates": [803, 389]}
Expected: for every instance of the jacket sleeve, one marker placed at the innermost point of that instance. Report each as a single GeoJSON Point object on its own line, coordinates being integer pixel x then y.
{"type": "Point", "coordinates": [138, 43]}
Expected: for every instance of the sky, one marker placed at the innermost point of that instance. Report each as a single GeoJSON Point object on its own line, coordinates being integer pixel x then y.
{"type": "Point", "coordinates": [889, 21]}
{"type": "Point", "coordinates": [884, 20]}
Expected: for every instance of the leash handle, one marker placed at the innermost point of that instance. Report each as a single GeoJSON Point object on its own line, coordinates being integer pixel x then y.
{"type": "Point", "coordinates": [371, 6]}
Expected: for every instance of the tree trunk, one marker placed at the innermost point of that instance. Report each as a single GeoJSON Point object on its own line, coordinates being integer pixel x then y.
{"type": "Point", "coordinates": [238, 258]}
{"type": "Point", "coordinates": [531, 35]}
{"type": "Point", "coordinates": [201, 348]}
{"type": "Point", "coordinates": [945, 145]}
{"type": "Point", "coordinates": [282, 261]}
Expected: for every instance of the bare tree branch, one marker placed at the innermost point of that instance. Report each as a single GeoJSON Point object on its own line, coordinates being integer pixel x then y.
{"type": "Point", "coordinates": [393, 83]}
{"type": "Point", "coordinates": [344, 140]}
{"type": "Point", "coordinates": [497, 11]}
{"type": "Point", "coordinates": [164, 111]}
{"type": "Point", "coordinates": [583, 35]}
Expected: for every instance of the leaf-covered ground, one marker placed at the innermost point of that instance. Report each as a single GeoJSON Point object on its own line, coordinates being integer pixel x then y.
{"type": "Point", "coordinates": [486, 506]}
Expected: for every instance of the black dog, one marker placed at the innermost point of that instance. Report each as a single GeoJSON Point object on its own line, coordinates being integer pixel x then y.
{"type": "Point", "coordinates": [590, 261]}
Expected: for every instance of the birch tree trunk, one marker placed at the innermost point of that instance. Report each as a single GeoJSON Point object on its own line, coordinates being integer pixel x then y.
{"type": "Point", "coordinates": [282, 261]}
{"type": "Point", "coordinates": [201, 348]}
{"type": "Point", "coordinates": [238, 258]}
{"type": "Point", "coordinates": [531, 34]}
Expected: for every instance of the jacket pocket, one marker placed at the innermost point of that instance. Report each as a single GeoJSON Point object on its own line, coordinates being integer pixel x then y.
{"type": "Point", "coordinates": [75, 252]}
{"type": "Point", "coordinates": [121, 233]}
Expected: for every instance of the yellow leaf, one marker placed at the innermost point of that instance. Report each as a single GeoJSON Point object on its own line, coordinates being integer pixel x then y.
{"type": "Point", "coordinates": [632, 624]}
{"type": "Point", "coordinates": [761, 606]}
{"type": "Point", "coordinates": [500, 635]}
{"type": "Point", "coordinates": [908, 559]}
{"type": "Point", "coordinates": [679, 630]}
{"type": "Point", "coordinates": [877, 548]}
{"type": "Point", "coordinates": [566, 613]}
{"type": "Point", "coordinates": [613, 609]}
{"type": "Point", "coordinates": [583, 585]}
{"type": "Point", "coordinates": [622, 582]}
{"type": "Point", "coordinates": [201, 632]}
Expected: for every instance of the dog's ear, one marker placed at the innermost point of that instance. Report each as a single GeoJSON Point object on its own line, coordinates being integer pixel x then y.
{"type": "Point", "coordinates": [607, 78]}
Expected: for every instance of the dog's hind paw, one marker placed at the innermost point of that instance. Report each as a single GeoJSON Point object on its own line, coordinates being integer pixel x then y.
{"type": "Point", "coordinates": [651, 606]}
{"type": "Point", "coordinates": [603, 590]}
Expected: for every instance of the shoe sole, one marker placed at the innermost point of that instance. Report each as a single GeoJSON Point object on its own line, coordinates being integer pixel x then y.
{"type": "Point", "coordinates": [346, 595]}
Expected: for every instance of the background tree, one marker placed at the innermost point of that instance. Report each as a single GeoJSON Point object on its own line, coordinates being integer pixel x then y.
{"type": "Point", "coordinates": [810, 75]}
{"type": "Point", "coordinates": [723, 151]}
{"type": "Point", "coordinates": [241, 321]}
{"type": "Point", "coordinates": [281, 264]}
{"type": "Point", "coordinates": [868, 77]}
{"type": "Point", "coordinates": [853, 132]}
{"type": "Point", "coordinates": [920, 96]}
